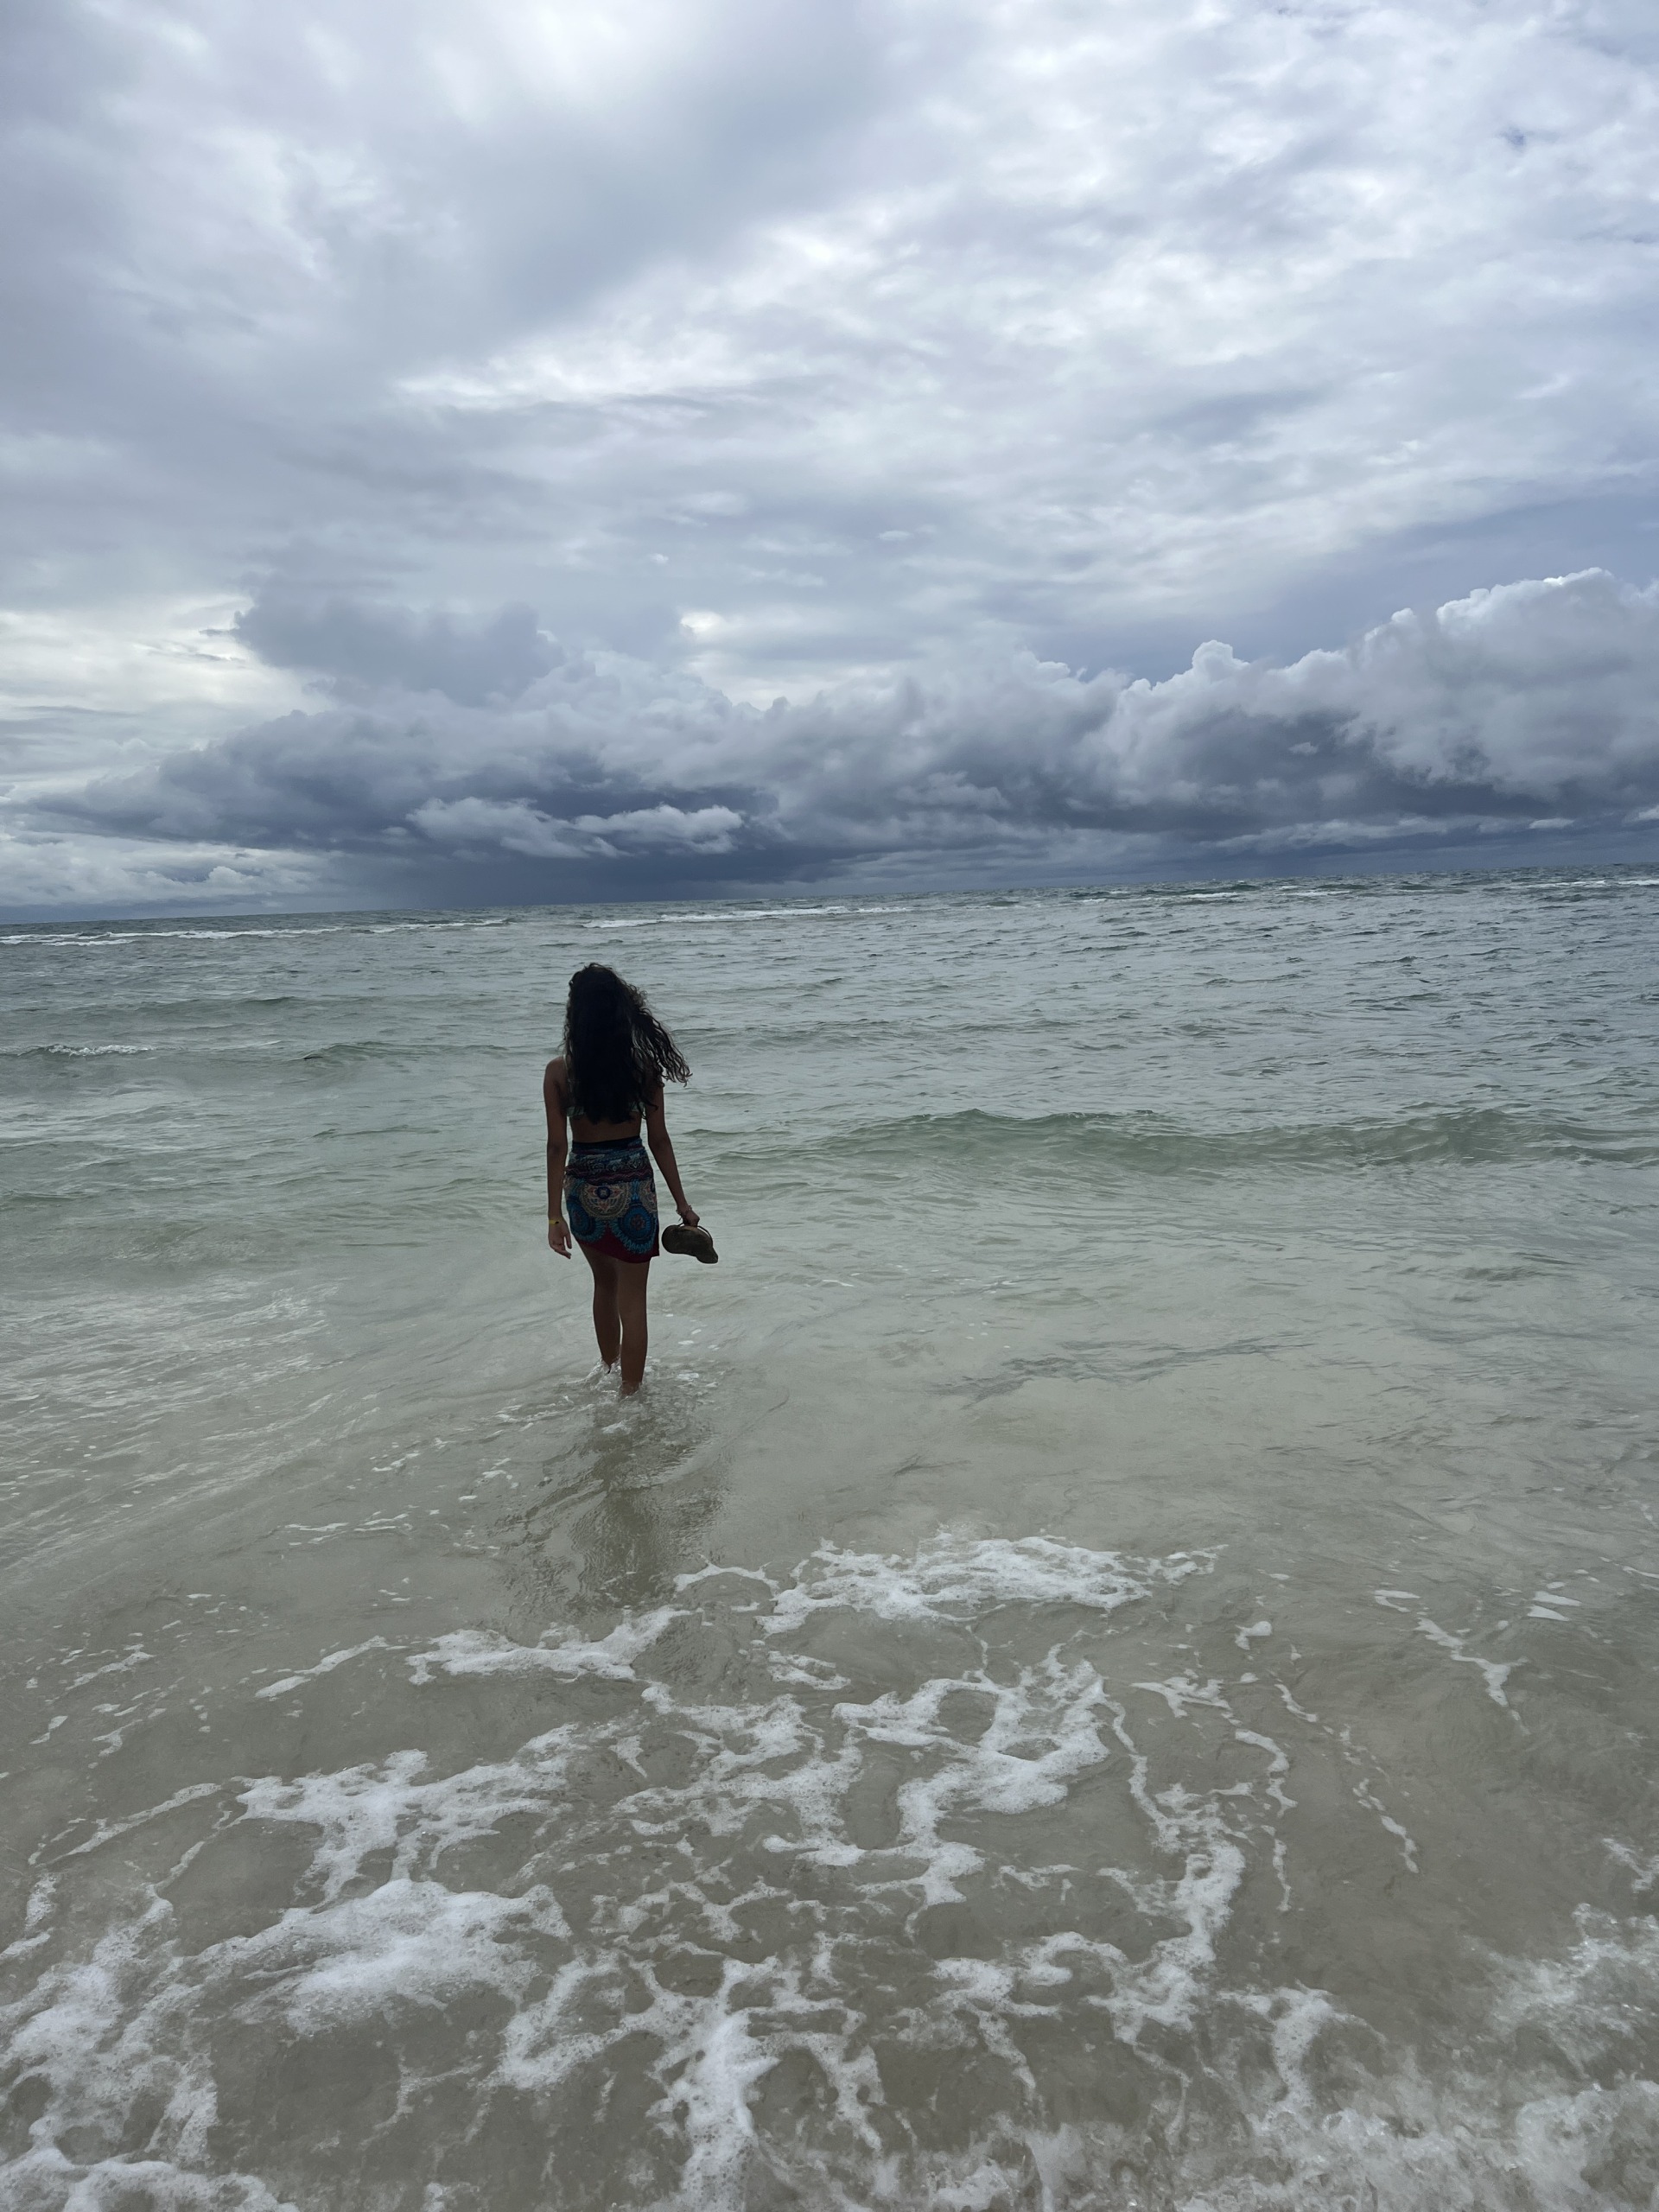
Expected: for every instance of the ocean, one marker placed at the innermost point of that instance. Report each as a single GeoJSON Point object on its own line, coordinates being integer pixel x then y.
{"type": "Point", "coordinates": [1112, 1664]}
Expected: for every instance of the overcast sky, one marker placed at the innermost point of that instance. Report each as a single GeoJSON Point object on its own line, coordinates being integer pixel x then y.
{"type": "Point", "coordinates": [521, 450]}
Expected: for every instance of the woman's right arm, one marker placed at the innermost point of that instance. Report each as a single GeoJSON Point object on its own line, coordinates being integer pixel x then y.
{"type": "Point", "coordinates": [558, 1231]}
{"type": "Point", "coordinates": [662, 1150]}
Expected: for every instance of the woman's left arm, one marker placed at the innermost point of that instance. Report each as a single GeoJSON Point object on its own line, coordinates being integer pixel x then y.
{"type": "Point", "coordinates": [662, 1150]}
{"type": "Point", "coordinates": [558, 1229]}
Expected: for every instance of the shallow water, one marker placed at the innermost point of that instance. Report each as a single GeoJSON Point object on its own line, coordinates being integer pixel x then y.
{"type": "Point", "coordinates": [1111, 1666]}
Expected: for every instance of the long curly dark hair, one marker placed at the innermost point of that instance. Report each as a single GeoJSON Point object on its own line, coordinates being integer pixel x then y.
{"type": "Point", "coordinates": [616, 1051]}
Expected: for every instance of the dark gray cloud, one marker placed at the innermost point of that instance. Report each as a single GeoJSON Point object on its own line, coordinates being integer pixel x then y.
{"type": "Point", "coordinates": [1511, 712]}
{"type": "Point", "coordinates": [413, 412]}
{"type": "Point", "coordinates": [356, 650]}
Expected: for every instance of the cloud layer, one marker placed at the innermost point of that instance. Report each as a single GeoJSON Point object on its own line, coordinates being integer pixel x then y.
{"type": "Point", "coordinates": [492, 757]}
{"type": "Point", "coordinates": [433, 437]}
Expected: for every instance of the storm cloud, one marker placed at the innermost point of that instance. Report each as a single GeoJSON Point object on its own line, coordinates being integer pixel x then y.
{"type": "Point", "coordinates": [536, 452]}
{"type": "Point", "coordinates": [1524, 708]}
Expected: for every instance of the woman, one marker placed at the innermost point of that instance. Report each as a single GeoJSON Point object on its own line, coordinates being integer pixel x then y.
{"type": "Point", "coordinates": [607, 1079]}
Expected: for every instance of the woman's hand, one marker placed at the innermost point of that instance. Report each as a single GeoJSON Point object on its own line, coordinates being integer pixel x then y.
{"type": "Point", "coordinates": [687, 1216]}
{"type": "Point", "coordinates": [558, 1237]}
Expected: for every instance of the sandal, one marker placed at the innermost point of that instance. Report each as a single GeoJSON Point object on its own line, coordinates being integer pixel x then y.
{"type": "Point", "coordinates": [676, 1237]}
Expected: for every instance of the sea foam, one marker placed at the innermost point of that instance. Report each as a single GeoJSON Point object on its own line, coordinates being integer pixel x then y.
{"type": "Point", "coordinates": [753, 1923]}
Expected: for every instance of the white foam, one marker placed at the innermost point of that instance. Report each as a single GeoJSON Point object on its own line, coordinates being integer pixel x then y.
{"type": "Point", "coordinates": [408, 1943]}
{"type": "Point", "coordinates": [361, 927]}
{"type": "Point", "coordinates": [775, 913]}
{"type": "Point", "coordinates": [1547, 1606]}
{"type": "Point", "coordinates": [45, 2177]}
{"type": "Point", "coordinates": [391, 1807]}
{"type": "Point", "coordinates": [107, 1831]}
{"type": "Point", "coordinates": [1494, 1672]}
{"type": "Point", "coordinates": [674, 918]}
{"type": "Point", "coordinates": [836, 1852]}
{"type": "Point", "coordinates": [1180, 1690]}
{"type": "Point", "coordinates": [145, 937]}
{"type": "Point", "coordinates": [1644, 1869]}
{"type": "Point", "coordinates": [479, 1651]}
{"type": "Point", "coordinates": [325, 1666]}
{"type": "Point", "coordinates": [950, 1577]}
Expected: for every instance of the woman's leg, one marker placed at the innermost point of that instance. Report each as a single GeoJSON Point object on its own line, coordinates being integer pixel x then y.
{"type": "Point", "coordinates": [607, 1325]}
{"type": "Point", "coordinates": [630, 1296]}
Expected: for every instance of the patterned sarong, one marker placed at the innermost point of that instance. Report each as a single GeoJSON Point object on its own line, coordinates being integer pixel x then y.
{"type": "Point", "coordinates": [611, 1199]}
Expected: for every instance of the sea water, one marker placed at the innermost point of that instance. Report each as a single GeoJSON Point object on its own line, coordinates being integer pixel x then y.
{"type": "Point", "coordinates": [1113, 1663]}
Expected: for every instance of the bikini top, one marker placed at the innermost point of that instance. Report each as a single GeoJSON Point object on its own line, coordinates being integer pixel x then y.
{"type": "Point", "coordinates": [575, 1114]}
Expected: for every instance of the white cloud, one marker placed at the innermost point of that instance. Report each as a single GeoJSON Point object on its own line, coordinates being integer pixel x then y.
{"type": "Point", "coordinates": [517, 827]}
{"type": "Point", "coordinates": [44, 875]}
{"type": "Point", "coordinates": [706, 828]}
